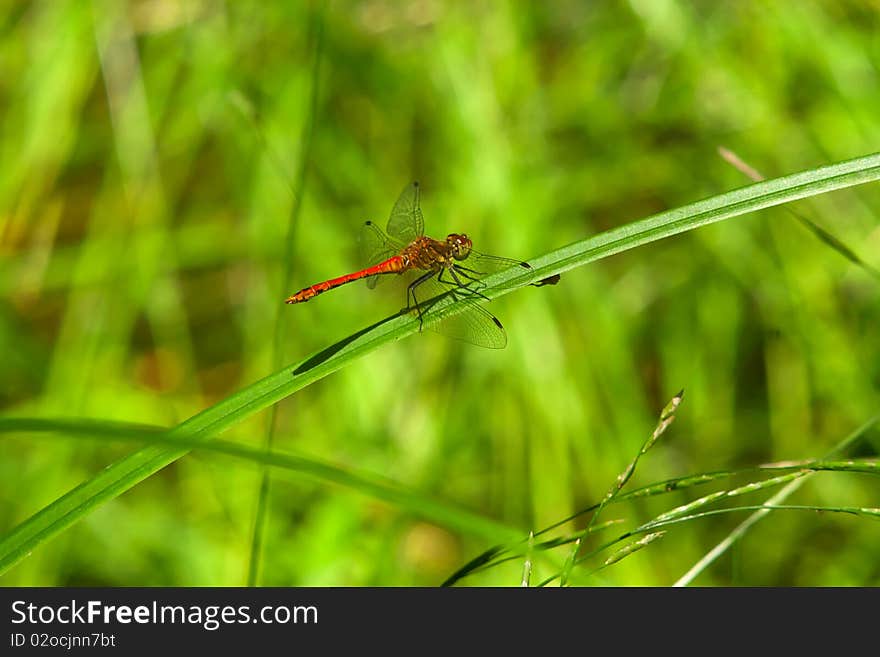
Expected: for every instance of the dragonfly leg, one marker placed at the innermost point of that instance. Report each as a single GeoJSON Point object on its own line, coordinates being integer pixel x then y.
{"type": "Point", "coordinates": [470, 274]}
{"type": "Point", "coordinates": [462, 268]}
{"type": "Point", "coordinates": [455, 271]}
{"type": "Point", "coordinates": [411, 292]}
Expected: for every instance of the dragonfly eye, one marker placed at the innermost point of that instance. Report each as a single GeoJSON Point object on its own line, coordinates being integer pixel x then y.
{"type": "Point", "coordinates": [461, 245]}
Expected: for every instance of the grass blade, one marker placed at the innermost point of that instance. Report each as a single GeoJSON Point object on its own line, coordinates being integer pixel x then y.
{"type": "Point", "coordinates": [721, 547]}
{"type": "Point", "coordinates": [369, 484]}
{"type": "Point", "coordinates": [820, 233]}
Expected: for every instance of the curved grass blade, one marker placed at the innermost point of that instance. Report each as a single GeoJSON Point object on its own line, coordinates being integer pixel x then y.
{"type": "Point", "coordinates": [375, 486]}
{"type": "Point", "coordinates": [500, 553]}
{"type": "Point", "coordinates": [745, 526]}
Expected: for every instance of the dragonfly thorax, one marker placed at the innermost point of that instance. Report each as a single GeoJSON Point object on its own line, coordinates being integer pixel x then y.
{"type": "Point", "coordinates": [459, 245]}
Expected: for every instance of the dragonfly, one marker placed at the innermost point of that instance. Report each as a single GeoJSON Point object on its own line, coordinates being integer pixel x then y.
{"type": "Point", "coordinates": [443, 268]}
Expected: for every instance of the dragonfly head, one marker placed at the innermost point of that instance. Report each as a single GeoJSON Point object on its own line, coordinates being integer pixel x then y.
{"type": "Point", "coordinates": [460, 245]}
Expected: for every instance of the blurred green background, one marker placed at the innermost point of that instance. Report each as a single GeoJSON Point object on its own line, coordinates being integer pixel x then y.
{"type": "Point", "coordinates": [151, 159]}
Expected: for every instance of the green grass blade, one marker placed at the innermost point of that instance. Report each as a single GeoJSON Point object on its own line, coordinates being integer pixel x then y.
{"type": "Point", "coordinates": [718, 208]}
{"type": "Point", "coordinates": [498, 553]}
{"type": "Point", "coordinates": [667, 416]}
{"type": "Point", "coordinates": [633, 547]}
{"type": "Point", "coordinates": [130, 470]}
{"type": "Point", "coordinates": [818, 231]}
{"type": "Point", "coordinates": [745, 526]}
{"type": "Point", "coordinates": [375, 486]}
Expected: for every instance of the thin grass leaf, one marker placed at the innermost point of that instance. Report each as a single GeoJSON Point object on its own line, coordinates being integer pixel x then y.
{"type": "Point", "coordinates": [527, 565]}
{"type": "Point", "coordinates": [867, 512]}
{"type": "Point", "coordinates": [627, 550]}
{"type": "Point", "coordinates": [495, 555]}
{"type": "Point", "coordinates": [686, 509]}
{"type": "Point", "coordinates": [820, 233]}
{"type": "Point", "coordinates": [371, 485]}
{"type": "Point", "coordinates": [865, 466]}
{"type": "Point", "coordinates": [667, 415]}
{"type": "Point", "coordinates": [781, 496]}
{"type": "Point", "coordinates": [120, 476]}
{"type": "Point", "coordinates": [871, 513]}
{"type": "Point", "coordinates": [516, 550]}
{"type": "Point", "coordinates": [492, 555]}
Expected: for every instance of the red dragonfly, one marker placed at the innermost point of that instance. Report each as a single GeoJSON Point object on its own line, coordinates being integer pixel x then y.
{"type": "Point", "coordinates": [403, 247]}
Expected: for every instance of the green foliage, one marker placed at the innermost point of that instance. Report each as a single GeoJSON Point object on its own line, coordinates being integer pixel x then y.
{"type": "Point", "coordinates": [172, 171]}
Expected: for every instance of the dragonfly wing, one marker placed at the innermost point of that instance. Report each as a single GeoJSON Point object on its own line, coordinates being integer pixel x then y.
{"type": "Point", "coordinates": [474, 324]}
{"type": "Point", "coordinates": [374, 247]}
{"type": "Point", "coordinates": [480, 265]}
{"type": "Point", "coordinates": [406, 222]}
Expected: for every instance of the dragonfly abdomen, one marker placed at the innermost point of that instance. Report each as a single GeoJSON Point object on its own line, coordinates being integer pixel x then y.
{"type": "Point", "coordinates": [393, 265]}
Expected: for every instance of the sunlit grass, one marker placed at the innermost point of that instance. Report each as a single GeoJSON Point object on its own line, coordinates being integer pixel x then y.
{"type": "Point", "coordinates": [235, 409]}
{"type": "Point", "coordinates": [146, 249]}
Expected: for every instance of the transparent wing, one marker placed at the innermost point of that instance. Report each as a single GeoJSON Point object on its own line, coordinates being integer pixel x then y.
{"type": "Point", "coordinates": [474, 324]}
{"type": "Point", "coordinates": [406, 221]}
{"type": "Point", "coordinates": [479, 265]}
{"type": "Point", "coordinates": [374, 246]}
